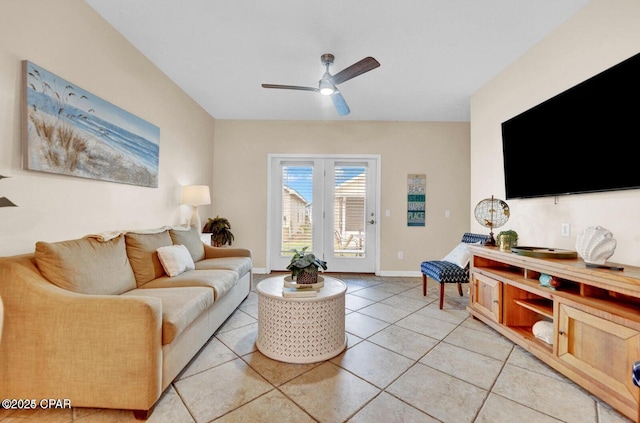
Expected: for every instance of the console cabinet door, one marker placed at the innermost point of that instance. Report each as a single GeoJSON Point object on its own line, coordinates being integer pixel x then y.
{"type": "Point", "coordinates": [603, 350]}
{"type": "Point", "coordinates": [487, 296]}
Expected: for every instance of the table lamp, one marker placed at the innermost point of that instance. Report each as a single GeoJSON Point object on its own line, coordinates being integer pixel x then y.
{"type": "Point", "coordinates": [196, 195]}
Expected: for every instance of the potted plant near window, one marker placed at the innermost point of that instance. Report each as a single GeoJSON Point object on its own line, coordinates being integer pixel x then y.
{"type": "Point", "coordinates": [507, 239]}
{"type": "Point", "coordinates": [304, 266]}
{"type": "Point", "coordinates": [220, 230]}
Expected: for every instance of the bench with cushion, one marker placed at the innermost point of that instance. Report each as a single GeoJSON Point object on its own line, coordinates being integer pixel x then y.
{"type": "Point", "coordinates": [454, 268]}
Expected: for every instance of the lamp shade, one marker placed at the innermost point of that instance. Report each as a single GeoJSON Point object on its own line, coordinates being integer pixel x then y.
{"type": "Point", "coordinates": [196, 195]}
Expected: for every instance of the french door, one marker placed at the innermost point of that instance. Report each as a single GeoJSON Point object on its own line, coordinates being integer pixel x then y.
{"type": "Point", "coordinates": [328, 204]}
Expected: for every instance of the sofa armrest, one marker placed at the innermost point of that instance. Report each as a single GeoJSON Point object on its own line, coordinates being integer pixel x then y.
{"type": "Point", "coordinates": [95, 350]}
{"type": "Point", "coordinates": [216, 252]}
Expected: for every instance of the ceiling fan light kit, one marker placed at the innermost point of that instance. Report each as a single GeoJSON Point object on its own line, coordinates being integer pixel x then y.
{"type": "Point", "coordinates": [327, 85]}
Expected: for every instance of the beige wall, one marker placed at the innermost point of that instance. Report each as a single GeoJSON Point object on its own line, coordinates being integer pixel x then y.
{"type": "Point", "coordinates": [68, 38]}
{"type": "Point", "coordinates": [604, 33]}
{"type": "Point", "coordinates": [439, 150]}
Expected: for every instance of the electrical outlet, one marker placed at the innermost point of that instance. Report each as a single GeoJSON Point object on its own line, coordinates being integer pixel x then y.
{"type": "Point", "coordinates": [565, 230]}
{"type": "Point", "coordinates": [400, 255]}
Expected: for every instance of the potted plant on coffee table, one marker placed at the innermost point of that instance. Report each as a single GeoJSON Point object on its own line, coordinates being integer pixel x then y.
{"type": "Point", "coordinates": [304, 266]}
{"type": "Point", "coordinates": [220, 230]}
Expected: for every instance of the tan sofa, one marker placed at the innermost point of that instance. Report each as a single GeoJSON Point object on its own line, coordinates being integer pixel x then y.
{"type": "Point", "coordinates": [99, 322]}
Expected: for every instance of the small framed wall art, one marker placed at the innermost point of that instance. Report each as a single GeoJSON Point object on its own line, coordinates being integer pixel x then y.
{"type": "Point", "coordinates": [416, 199]}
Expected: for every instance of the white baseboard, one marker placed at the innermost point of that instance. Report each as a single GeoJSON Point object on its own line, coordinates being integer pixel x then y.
{"type": "Point", "coordinates": [401, 273]}
{"type": "Point", "coordinates": [388, 273]}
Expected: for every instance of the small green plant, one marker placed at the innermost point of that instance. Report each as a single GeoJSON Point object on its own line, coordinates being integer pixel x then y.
{"type": "Point", "coordinates": [507, 239]}
{"type": "Point", "coordinates": [513, 235]}
{"type": "Point", "coordinates": [305, 262]}
{"type": "Point", "coordinates": [220, 230]}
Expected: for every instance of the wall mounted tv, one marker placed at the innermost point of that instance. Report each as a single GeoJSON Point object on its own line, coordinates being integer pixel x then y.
{"type": "Point", "coordinates": [585, 139]}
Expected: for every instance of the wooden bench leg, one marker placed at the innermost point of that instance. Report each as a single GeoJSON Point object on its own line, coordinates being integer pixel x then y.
{"type": "Point", "coordinates": [441, 295]}
{"type": "Point", "coordinates": [460, 289]}
{"type": "Point", "coordinates": [424, 285]}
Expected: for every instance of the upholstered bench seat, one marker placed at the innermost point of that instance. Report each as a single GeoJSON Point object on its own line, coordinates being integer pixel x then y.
{"type": "Point", "coordinates": [444, 272]}
{"type": "Point", "coordinates": [454, 268]}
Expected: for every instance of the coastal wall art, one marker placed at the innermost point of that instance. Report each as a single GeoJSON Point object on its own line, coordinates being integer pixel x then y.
{"type": "Point", "coordinates": [67, 130]}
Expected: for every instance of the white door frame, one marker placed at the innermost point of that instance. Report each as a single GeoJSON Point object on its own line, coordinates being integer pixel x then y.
{"type": "Point", "coordinates": [346, 157]}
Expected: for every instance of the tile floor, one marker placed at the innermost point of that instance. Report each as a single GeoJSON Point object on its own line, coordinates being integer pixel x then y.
{"type": "Point", "coordinates": [406, 361]}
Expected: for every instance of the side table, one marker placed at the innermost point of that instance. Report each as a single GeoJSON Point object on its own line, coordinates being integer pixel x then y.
{"type": "Point", "coordinates": [301, 330]}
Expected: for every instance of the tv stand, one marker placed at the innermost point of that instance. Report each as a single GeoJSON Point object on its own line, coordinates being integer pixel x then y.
{"type": "Point", "coordinates": [595, 314]}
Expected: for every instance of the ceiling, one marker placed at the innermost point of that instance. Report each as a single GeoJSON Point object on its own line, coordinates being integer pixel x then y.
{"type": "Point", "coordinates": [434, 54]}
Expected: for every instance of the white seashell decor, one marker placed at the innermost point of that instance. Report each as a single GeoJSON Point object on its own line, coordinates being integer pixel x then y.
{"type": "Point", "coordinates": [595, 245]}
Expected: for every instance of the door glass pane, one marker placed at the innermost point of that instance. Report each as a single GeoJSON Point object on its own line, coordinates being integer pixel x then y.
{"type": "Point", "coordinates": [297, 196]}
{"type": "Point", "coordinates": [349, 213]}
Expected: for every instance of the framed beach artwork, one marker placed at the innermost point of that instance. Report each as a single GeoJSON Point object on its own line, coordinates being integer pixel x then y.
{"type": "Point", "coordinates": [69, 131]}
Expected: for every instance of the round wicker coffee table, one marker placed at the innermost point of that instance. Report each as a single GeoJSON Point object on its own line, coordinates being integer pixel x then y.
{"type": "Point", "coordinates": [301, 330]}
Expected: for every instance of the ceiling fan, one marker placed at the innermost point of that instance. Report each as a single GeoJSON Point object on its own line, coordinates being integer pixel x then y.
{"type": "Point", "coordinates": [327, 85]}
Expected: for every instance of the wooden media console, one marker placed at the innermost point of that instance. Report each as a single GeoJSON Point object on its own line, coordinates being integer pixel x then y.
{"type": "Point", "coordinates": [595, 315]}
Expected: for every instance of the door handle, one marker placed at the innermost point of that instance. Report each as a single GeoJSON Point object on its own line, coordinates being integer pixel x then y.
{"type": "Point", "coordinates": [372, 221]}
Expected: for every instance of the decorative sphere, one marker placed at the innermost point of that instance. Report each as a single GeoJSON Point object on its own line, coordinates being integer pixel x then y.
{"type": "Point", "coordinates": [492, 213]}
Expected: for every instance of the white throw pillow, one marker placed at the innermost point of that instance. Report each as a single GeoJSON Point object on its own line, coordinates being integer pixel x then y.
{"type": "Point", "coordinates": [459, 256]}
{"type": "Point", "coordinates": [175, 259]}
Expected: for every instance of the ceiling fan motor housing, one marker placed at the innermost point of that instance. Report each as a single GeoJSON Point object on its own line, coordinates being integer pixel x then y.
{"type": "Point", "coordinates": [327, 59]}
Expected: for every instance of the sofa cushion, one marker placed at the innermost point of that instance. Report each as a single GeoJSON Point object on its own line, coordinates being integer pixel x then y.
{"type": "Point", "coordinates": [180, 307]}
{"type": "Point", "coordinates": [220, 280]}
{"type": "Point", "coordinates": [175, 259]}
{"type": "Point", "coordinates": [87, 265]}
{"type": "Point", "coordinates": [142, 251]}
{"type": "Point", "coordinates": [190, 239]}
{"type": "Point", "coordinates": [241, 265]}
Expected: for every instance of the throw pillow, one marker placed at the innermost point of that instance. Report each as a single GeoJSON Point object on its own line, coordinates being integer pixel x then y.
{"type": "Point", "coordinates": [175, 259]}
{"type": "Point", "coordinates": [87, 266]}
{"type": "Point", "coordinates": [141, 249]}
{"type": "Point", "coordinates": [459, 256]}
{"type": "Point", "coordinates": [191, 239]}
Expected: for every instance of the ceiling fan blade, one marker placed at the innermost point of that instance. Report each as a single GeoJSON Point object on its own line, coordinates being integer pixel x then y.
{"type": "Point", "coordinates": [364, 65]}
{"type": "Point", "coordinates": [290, 87]}
{"type": "Point", "coordinates": [340, 103]}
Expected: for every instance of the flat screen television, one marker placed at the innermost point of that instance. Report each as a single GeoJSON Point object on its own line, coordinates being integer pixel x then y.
{"type": "Point", "coordinates": [585, 139]}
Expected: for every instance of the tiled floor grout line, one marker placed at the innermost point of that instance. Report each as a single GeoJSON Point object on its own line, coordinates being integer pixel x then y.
{"type": "Point", "coordinates": [381, 390]}
{"type": "Point", "coordinates": [184, 403]}
{"type": "Point", "coordinates": [415, 361]}
{"type": "Point", "coordinates": [411, 289]}
{"type": "Point", "coordinates": [489, 390]}
{"type": "Point", "coordinates": [493, 384]}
